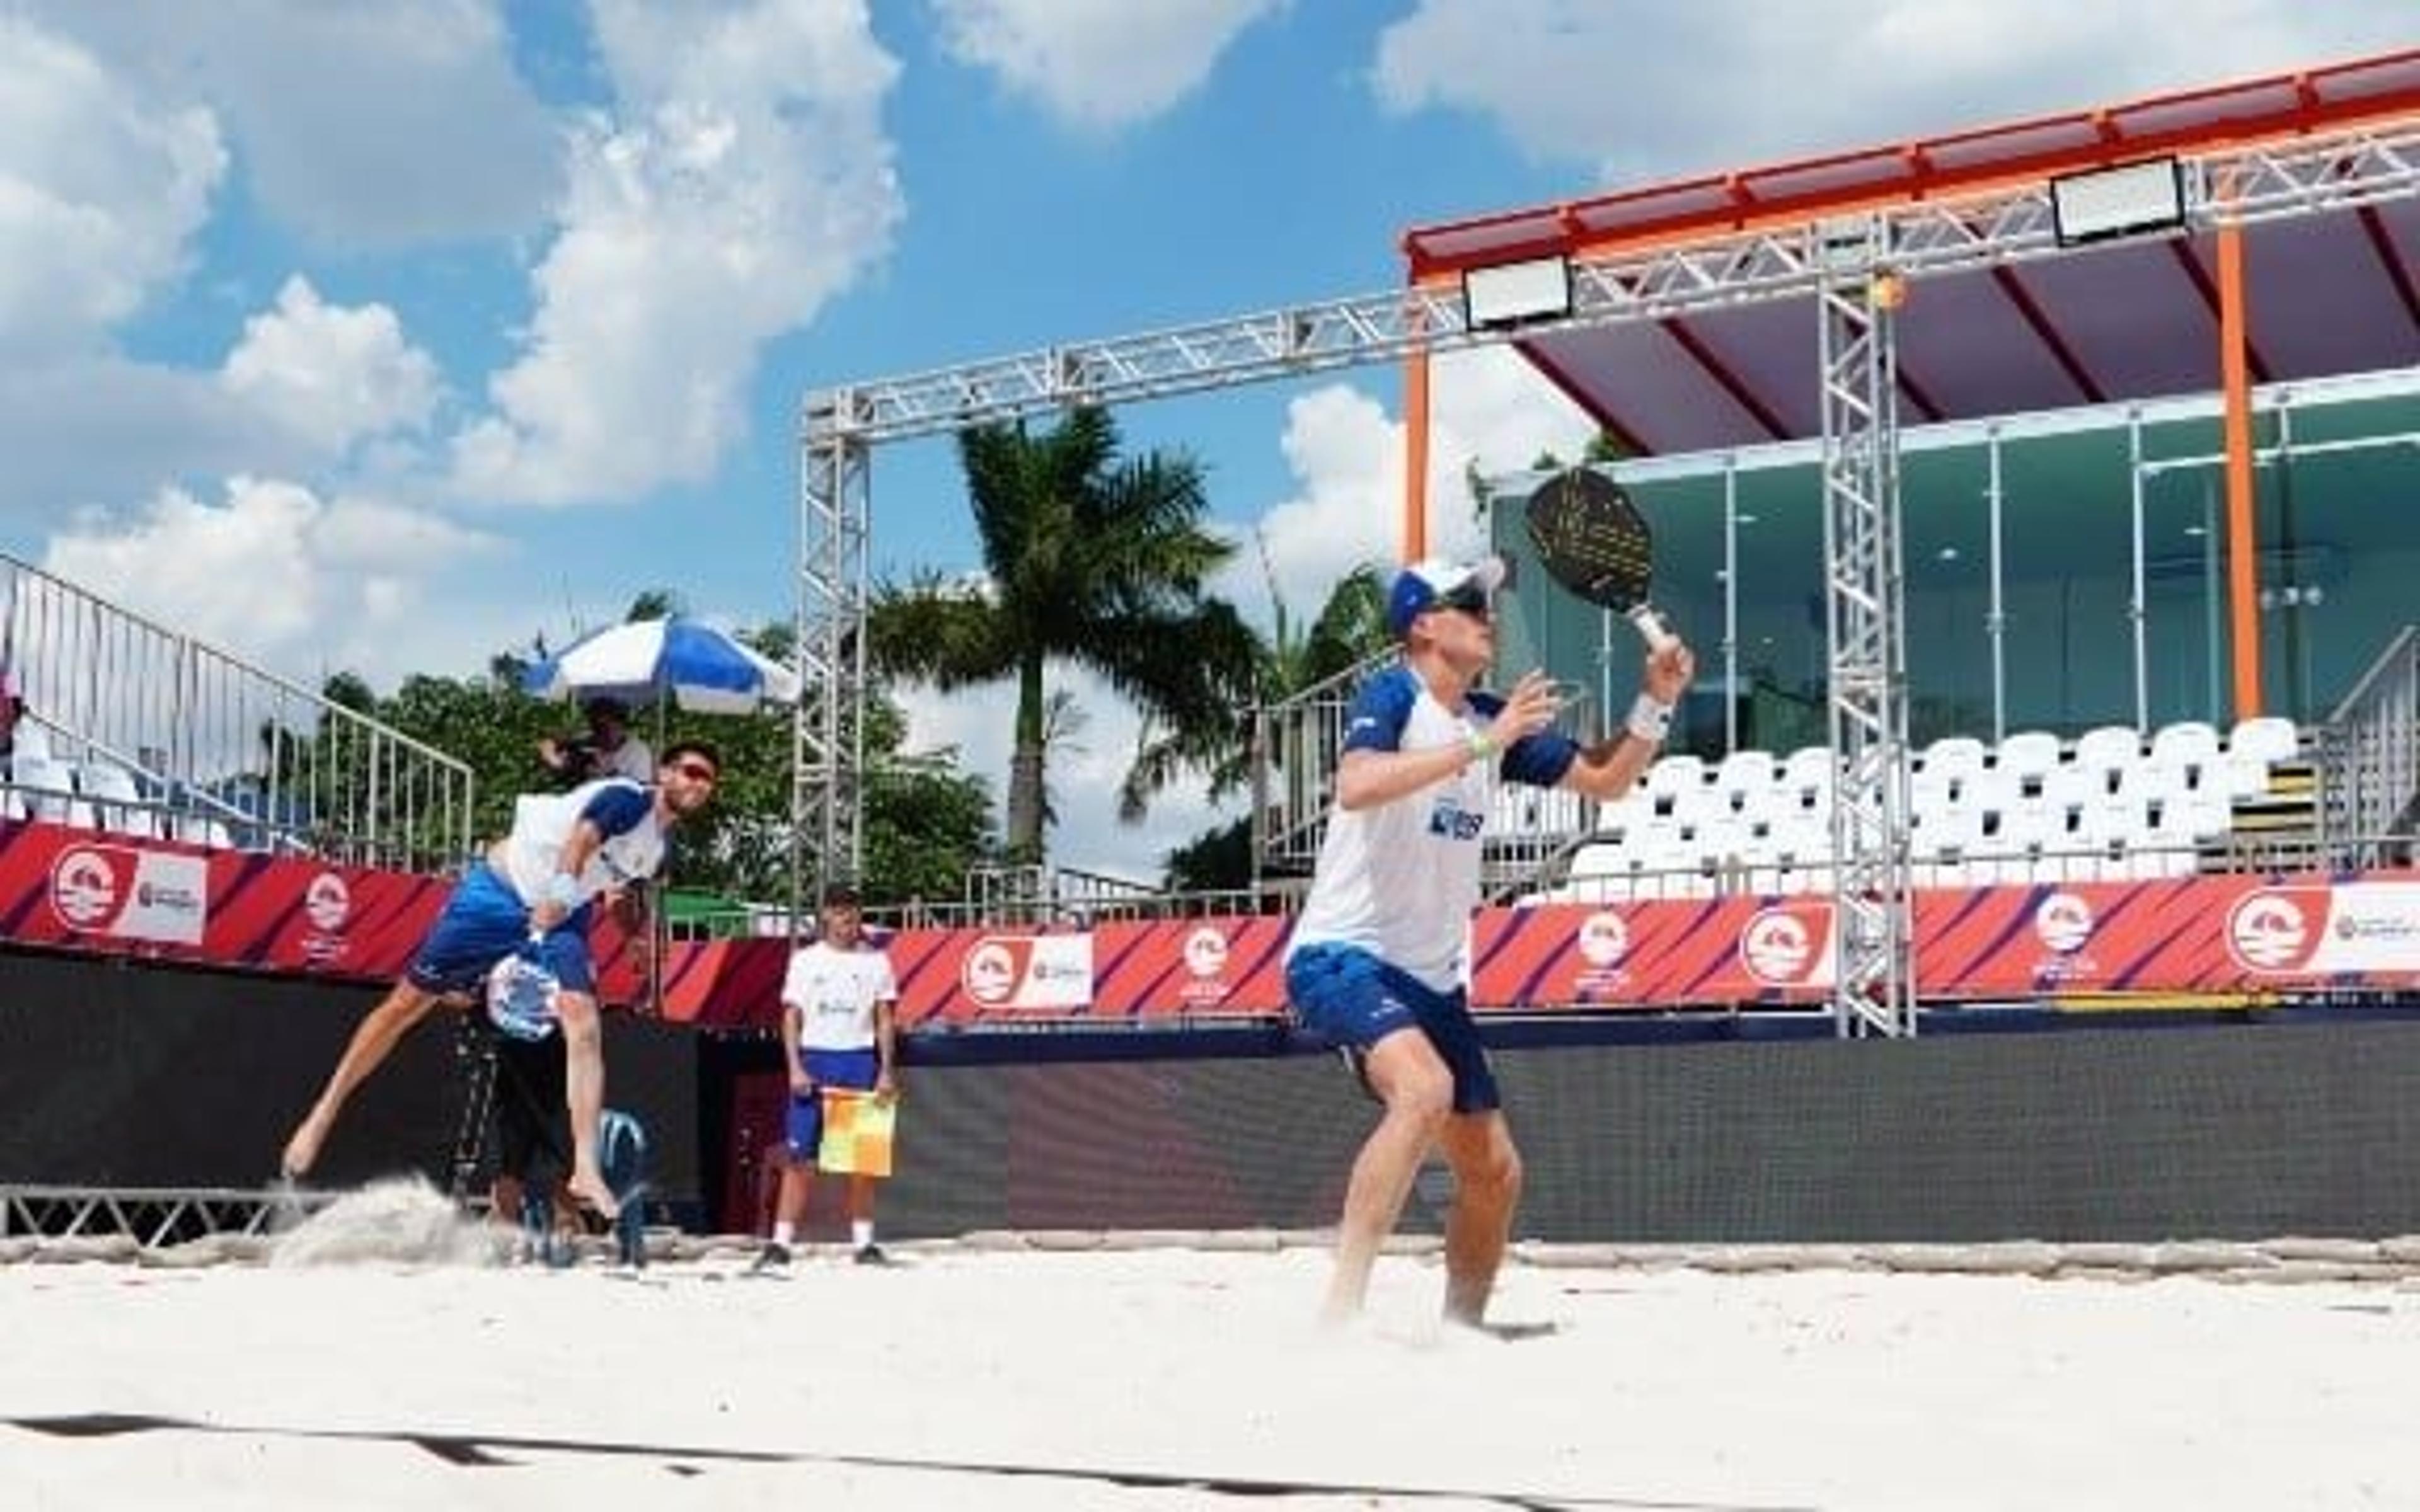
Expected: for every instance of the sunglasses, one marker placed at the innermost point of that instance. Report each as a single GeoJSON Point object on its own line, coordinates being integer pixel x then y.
{"type": "Point", "coordinates": [1468, 598]}
{"type": "Point", "coordinates": [696, 771]}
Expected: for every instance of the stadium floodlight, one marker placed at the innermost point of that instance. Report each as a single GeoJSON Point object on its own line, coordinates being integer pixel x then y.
{"type": "Point", "coordinates": [1511, 294]}
{"type": "Point", "coordinates": [2118, 202]}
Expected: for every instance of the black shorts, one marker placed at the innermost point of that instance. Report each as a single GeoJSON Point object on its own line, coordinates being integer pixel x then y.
{"type": "Point", "coordinates": [532, 1122]}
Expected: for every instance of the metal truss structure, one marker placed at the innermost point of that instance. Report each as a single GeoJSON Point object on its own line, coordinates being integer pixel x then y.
{"type": "Point", "coordinates": [1997, 226]}
{"type": "Point", "coordinates": [1874, 985]}
{"type": "Point", "coordinates": [153, 1218]}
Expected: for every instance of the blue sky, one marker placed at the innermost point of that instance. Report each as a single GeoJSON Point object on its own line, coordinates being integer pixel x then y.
{"type": "Point", "coordinates": [382, 335]}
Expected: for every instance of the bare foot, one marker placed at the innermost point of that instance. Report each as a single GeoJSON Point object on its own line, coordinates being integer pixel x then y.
{"type": "Point", "coordinates": [302, 1148]}
{"type": "Point", "coordinates": [589, 1190]}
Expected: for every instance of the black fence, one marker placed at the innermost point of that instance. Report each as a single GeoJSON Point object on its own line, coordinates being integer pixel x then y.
{"type": "Point", "coordinates": [122, 1074]}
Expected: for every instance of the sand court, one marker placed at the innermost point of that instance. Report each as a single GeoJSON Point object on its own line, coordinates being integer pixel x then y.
{"type": "Point", "coordinates": [1181, 1377]}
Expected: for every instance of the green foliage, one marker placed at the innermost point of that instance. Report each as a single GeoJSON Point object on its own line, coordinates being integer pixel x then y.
{"type": "Point", "coordinates": [925, 822]}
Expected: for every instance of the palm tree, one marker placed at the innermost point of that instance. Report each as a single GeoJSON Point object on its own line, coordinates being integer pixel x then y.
{"type": "Point", "coordinates": [1089, 559]}
{"type": "Point", "coordinates": [1350, 629]}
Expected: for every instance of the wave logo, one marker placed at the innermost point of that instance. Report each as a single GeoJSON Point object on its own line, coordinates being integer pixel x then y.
{"type": "Point", "coordinates": [1777, 946]}
{"type": "Point", "coordinates": [1603, 939]}
{"type": "Point", "coordinates": [86, 887]}
{"type": "Point", "coordinates": [2063, 922]}
{"type": "Point", "coordinates": [1205, 951]}
{"type": "Point", "coordinates": [327, 902]}
{"type": "Point", "coordinates": [2270, 931]}
{"type": "Point", "coordinates": [991, 971]}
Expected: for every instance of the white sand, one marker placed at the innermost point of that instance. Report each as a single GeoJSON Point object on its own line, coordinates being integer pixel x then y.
{"type": "Point", "coordinates": [1825, 1389]}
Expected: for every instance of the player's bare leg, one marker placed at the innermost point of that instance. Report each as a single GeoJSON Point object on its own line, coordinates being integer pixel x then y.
{"type": "Point", "coordinates": [583, 1086]}
{"type": "Point", "coordinates": [1486, 1189]}
{"type": "Point", "coordinates": [374, 1040]}
{"type": "Point", "coordinates": [1417, 1090]}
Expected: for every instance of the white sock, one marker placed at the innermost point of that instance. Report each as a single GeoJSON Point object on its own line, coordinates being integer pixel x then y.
{"type": "Point", "coordinates": [860, 1231]}
{"type": "Point", "coordinates": [784, 1231]}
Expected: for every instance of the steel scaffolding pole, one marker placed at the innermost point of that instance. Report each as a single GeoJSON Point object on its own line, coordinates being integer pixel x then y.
{"type": "Point", "coordinates": [1873, 967]}
{"type": "Point", "coordinates": [827, 766]}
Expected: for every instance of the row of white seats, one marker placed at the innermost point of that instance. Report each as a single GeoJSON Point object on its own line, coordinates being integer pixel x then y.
{"type": "Point", "coordinates": [1962, 772]}
{"type": "Point", "coordinates": [100, 796]}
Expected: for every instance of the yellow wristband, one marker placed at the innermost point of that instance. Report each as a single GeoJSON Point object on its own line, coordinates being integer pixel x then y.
{"type": "Point", "coordinates": [1481, 745]}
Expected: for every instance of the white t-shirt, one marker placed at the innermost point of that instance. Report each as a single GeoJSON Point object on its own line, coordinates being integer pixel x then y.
{"type": "Point", "coordinates": [630, 759]}
{"type": "Point", "coordinates": [622, 811]}
{"type": "Point", "coordinates": [1400, 880]}
{"type": "Point", "coordinates": [835, 992]}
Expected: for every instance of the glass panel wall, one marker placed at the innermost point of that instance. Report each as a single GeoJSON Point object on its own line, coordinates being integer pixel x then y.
{"type": "Point", "coordinates": [1945, 508]}
{"type": "Point", "coordinates": [2067, 572]}
{"type": "Point", "coordinates": [2339, 527]}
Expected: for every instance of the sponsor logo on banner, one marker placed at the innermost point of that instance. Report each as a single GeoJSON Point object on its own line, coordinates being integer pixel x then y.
{"type": "Point", "coordinates": [131, 894]}
{"type": "Point", "coordinates": [1789, 946]}
{"type": "Point", "coordinates": [1603, 939]}
{"type": "Point", "coordinates": [1205, 966]}
{"type": "Point", "coordinates": [1027, 971]}
{"type": "Point", "coordinates": [1604, 942]}
{"type": "Point", "coordinates": [2370, 928]}
{"type": "Point", "coordinates": [327, 902]}
{"type": "Point", "coordinates": [2063, 922]}
{"type": "Point", "coordinates": [327, 905]}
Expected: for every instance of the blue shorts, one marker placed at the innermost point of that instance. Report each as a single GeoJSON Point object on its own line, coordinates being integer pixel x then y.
{"type": "Point", "coordinates": [854, 1069]}
{"type": "Point", "coordinates": [1353, 1001]}
{"type": "Point", "coordinates": [485, 922]}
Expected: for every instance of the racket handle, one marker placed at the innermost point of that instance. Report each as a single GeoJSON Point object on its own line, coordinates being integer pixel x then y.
{"type": "Point", "coordinates": [1653, 629]}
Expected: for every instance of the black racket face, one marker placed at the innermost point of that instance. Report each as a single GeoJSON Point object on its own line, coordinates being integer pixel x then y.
{"type": "Point", "coordinates": [1591, 538]}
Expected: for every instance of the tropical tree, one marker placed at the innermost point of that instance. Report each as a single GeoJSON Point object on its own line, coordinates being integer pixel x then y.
{"type": "Point", "coordinates": [1349, 630]}
{"type": "Point", "coordinates": [1090, 560]}
{"type": "Point", "coordinates": [925, 822]}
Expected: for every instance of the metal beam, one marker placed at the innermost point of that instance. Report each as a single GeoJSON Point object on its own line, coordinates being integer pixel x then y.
{"type": "Point", "coordinates": [1873, 936]}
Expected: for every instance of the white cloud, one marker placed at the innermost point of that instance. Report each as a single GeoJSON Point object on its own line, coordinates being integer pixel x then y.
{"type": "Point", "coordinates": [375, 126]}
{"type": "Point", "coordinates": [1098, 64]}
{"type": "Point", "coordinates": [1346, 453]}
{"type": "Point", "coordinates": [743, 181]}
{"type": "Point", "coordinates": [1645, 92]}
{"type": "Point", "coordinates": [332, 375]}
{"type": "Point", "coordinates": [101, 190]}
{"type": "Point", "coordinates": [278, 574]}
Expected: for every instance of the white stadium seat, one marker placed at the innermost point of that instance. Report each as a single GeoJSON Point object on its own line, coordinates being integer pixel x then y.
{"type": "Point", "coordinates": [117, 805]}
{"type": "Point", "coordinates": [2111, 748]}
{"type": "Point", "coordinates": [2269, 738]}
{"type": "Point", "coordinates": [1676, 774]}
{"type": "Point", "coordinates": [1745, 771]}
{"type": "Point", "coordinates": [2028, 754]}
{"type": "Point", "coordinates": [1955, 757]}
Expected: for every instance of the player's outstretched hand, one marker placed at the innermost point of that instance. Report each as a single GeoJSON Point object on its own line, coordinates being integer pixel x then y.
{"type": "Point", "coordinates": [1669, 672]}
{"type": "Point", "coordinates": [1530, 707]}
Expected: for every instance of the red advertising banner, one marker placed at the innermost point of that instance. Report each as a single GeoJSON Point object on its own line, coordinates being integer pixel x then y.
{"type": "Point", "coordinates": [75, 889]}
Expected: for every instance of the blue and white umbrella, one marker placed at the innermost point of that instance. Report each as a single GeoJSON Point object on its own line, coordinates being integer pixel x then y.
{"type": "Point", "coordinates": [647, 661]}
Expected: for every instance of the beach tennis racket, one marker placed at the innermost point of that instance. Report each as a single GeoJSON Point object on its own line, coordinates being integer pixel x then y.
{"type": "Point", "coordinates": [1591, 538]}
{"type": "Point", "coordinates": [520, 994]}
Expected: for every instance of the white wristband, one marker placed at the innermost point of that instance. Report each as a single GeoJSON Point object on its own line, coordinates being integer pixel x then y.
{"type": "Point", "coordinates": [1648, 720]}
{"type": "Point", "coordinates": [563, 890]}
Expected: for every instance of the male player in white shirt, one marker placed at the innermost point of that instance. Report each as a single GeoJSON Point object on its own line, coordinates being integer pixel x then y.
{"type": "Point", "coordinates": [532, 893]}
{"type": "Point", "coordinates": [839, 1029]}
{"type": "Point", "coordinates": [1375, 962]}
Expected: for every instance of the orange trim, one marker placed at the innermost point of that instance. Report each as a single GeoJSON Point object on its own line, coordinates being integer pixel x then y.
{"type": "Point", "coordinates": [2242, 538]}
{"type": "Point", "coordinates": [2273, 107]}
{"type": "Point", "coordinates": [1415, 454]}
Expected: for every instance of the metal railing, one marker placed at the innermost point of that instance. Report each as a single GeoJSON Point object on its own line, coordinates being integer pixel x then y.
{"type": "Point", "coordinates": [2369, 761]}
{"type": "Point", "coordinates": [215, 749]}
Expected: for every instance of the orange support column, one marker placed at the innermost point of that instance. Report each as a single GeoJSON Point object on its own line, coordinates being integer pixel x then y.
{"type": "Point", "coordinates": [2242, 533]}
{"type": "Point", "coordinates": [1415, 454]}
